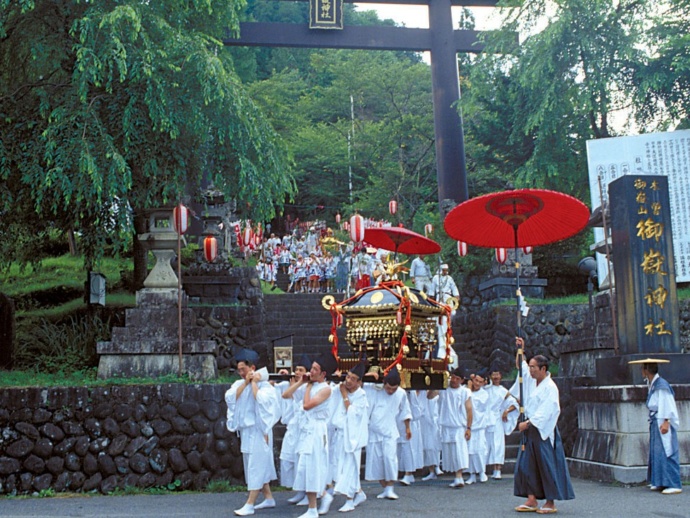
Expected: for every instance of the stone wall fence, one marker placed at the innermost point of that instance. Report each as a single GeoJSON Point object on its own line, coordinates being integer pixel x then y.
{"type": "Point", "coordinates": [103, 438]}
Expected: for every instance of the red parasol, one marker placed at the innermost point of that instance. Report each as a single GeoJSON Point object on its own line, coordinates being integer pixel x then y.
{"type": "Point", "coordinates": [523, 217]}
{"type": "Point", "coordinates": [397, 239]}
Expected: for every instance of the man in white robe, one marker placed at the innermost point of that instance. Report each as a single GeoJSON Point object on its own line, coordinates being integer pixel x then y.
{"type": "Point", "coordinates": [476, 446]}
{"type": "Point", "coordinates": [420, 274]}
{"type": "Point", "coordinates": [495, 436]}
{"type": "Point", "coordinates": [663, 471]}
{"type": "Point", "coordinates": [351, 422]}
{"type": "Point", "coordinates": [442, 288]}
{"type": "Point", "coordinates": [311, 475]}
{"type": "Point", "coordinates": [541, 471]}
{"type": "Point", "coordinates": [455, 419]}
{"type": "Point", "coordinates": [387, 405]}
{"type": "Point", "coordinates": [253, 409]}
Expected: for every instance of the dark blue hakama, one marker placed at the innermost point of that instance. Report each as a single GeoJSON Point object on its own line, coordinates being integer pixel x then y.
{"type": "Point", "coordinates": [662, 471]}
{"type": "Point", "coordinates": [541, 469]}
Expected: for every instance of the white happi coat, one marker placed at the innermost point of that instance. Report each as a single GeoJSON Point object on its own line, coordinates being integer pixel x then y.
{"type": "Point", "coordinates": [495, 436]}
{"type": "Point", "coordinates": [253, 419]}
{"type": "Point", "coordinates": [452, 418]}
{"type": "Point", "coordinates": [384, 412]}
{"type": "Point", "coordinates": [351, 433]}
{"type": "Point", "coordinates": [542, 405]}
{"type": "Point", "coordinates": [311, 474]}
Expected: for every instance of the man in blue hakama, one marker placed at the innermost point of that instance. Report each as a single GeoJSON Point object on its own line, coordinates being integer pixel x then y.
{"type": "Point", "coordinates": [663, 470]}
{"type": "Point", "coordinates": [541, 471]}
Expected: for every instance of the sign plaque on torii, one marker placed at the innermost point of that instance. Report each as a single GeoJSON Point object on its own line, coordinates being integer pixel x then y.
{"type": "Point", "coordinates": [439, 39]}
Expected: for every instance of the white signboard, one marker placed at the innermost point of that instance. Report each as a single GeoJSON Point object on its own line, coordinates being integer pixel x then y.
{"type": "Point", "coordinates": [653, 154]}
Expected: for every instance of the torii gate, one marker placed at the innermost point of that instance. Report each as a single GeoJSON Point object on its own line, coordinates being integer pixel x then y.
{"type": "Point", "coordinates": [440, 39]}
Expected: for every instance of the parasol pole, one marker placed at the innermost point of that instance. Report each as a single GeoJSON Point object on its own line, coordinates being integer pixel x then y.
{"type": "Point", "coordinates": [520, 352]}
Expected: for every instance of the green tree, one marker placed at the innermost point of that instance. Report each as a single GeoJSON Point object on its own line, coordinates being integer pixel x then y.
{"type": "Point", "coordinates": [356, 117]}
{"type": "Point", "coordinates": [531, 109]}
{"type": "Point", "coordinates": [111, 107]}
{"type": "Point", "coordinates": [664, 83]}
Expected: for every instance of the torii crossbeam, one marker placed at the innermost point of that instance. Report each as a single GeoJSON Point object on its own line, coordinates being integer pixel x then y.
{"type": "Point", "coordinates": [439, 39]}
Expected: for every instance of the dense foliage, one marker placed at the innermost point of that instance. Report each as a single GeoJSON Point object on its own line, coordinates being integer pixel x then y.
{"type": "Point", "coordinates": [110, 107]}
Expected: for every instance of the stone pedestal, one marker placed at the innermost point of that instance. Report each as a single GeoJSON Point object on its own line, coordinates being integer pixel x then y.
{"type": "Point", "coordinates": [613, 436]}
{"type": "Point", "coordinates": [502, 283]}
{"type": "Point", "coordinates": [148, 345]}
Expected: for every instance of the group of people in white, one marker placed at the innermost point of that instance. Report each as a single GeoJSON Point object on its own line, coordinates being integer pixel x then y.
{"type": "Point", "coordinates": [318, 263]}
{"type": "Point", "coordinates": [458, 430]}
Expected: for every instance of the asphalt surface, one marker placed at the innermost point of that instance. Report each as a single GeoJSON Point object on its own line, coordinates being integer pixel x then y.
{"type": "Point", "coordinates": [434, 498]}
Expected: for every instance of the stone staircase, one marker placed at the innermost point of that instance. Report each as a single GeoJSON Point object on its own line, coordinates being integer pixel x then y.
{"type": "Point", "coordinates": [299, 320]}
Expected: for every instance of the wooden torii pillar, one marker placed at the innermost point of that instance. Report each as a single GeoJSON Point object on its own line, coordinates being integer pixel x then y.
{"type": "Point", "coordinates": [439, 39]}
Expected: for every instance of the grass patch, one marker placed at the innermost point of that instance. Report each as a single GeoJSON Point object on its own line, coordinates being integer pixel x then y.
{"type": "Point", "coordinates": [267, 290]}
{"type": "Point", "coordinates": [578, 298]}
{"type": "Point", "coordinates": [87, 378]}
{"type": "Point", "coordinates": [223, 486]}
{"type": "Point", "coordinates": [65, 270]}
{"type": "Point", "coordinates": [118, 299]}
{"type": "Point", "coordinates": [684, 293]}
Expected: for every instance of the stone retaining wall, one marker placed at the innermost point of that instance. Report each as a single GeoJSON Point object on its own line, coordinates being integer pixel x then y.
{"type": "Point", "coordinates": [489, 334]}
{"type": "Point", "coordinates": [99, 439]}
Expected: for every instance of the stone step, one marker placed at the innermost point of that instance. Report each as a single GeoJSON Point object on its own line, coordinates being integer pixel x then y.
{"type": "Point", "coordinates": [158, 334]}
{"type": "Point", "coordinates": [152, 347]}
{"type": "Point", "coordinates": [158, 317]}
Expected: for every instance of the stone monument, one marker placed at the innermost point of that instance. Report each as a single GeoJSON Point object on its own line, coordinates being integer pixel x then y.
{"type": "Point", "coordinates": [148, 345]}
{"type": "Point", "coordinates": [613, 431]}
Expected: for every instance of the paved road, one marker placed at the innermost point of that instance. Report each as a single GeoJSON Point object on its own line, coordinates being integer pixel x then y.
{"type": "Point", "coordinates": [492, 499]}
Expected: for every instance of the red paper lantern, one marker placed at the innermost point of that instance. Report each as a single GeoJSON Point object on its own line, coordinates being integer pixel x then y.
{"type": "Point", "coordinates": [180, 219]}
{"type": "Point", "coordinates": [346, 226]}
{"type": "Point", "coordinates": [392, 206]}
{"type": "Point", "coordinates": [210, 248]}
{"type": "Point", "coordinates": [357, 228]}
{"type": "Point", "coordinates": [257, 239]}
{"type": "Point", "coordinates": [337, 217]}
{"type": "Point", "coordinates": [462, 249]}
{"type": "Point", "coordinates": [527, 249]}
{"type": "Point", "coordinates": [428, 229]}
{"type": "Point", "coordinates": [501, 255]}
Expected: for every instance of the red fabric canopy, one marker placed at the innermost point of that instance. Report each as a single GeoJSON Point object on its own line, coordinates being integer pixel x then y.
{"type": "Point", "coordinates": [523, 217]}
{"type": "Point", "coordinates": [401, 240]}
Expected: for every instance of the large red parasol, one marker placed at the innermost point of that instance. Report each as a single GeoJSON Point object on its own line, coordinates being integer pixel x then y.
{"type": "Point", "coordinates": [398, 239]}
{"type": "Point", "coordinates": [523, 217]}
